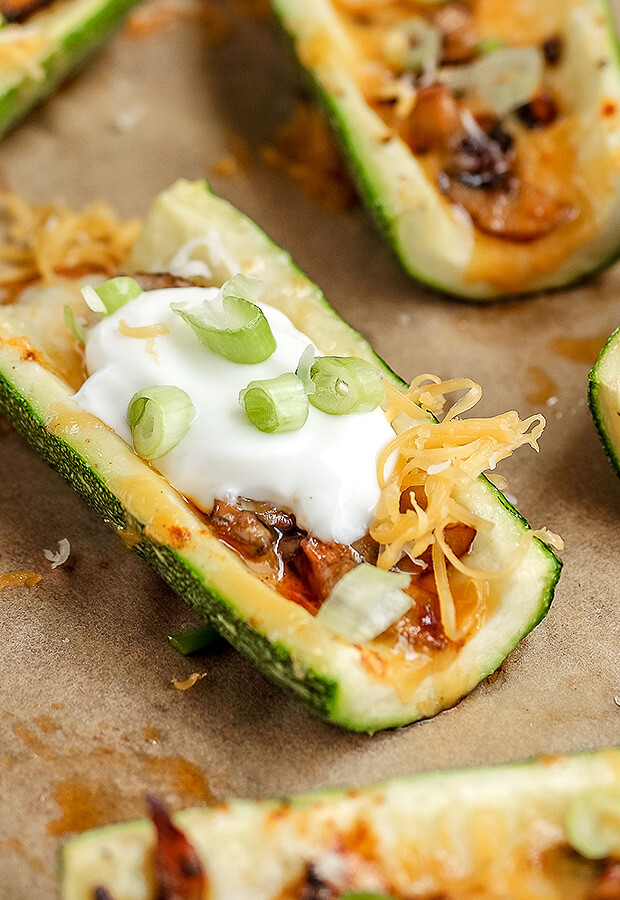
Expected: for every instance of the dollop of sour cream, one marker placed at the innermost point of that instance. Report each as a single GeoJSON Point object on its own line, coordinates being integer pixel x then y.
{"type": "Point", "coordinates": [325, 473]}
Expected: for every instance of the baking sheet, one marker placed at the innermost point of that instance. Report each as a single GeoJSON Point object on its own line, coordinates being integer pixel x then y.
{"type": "Point", "coordinates": [89, 721]}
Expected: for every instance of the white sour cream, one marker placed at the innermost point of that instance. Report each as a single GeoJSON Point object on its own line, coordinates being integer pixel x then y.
{"type": "Point", "coordinates": [325, 473]}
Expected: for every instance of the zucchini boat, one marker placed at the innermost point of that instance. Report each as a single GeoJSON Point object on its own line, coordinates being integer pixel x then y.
{"type": "Point", "coordinates": [548, 829]}
{"type": "Point", "coordinates": [604, 397]}
{"type": "Point", "coordinates": [479, 579]}
{"type": "Point", "coordinates": [42, 42]}
{"type": "Point", "coordinates": [482, 134]}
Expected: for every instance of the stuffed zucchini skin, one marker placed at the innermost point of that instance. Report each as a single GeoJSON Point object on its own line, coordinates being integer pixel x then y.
{"type": "Point", "coordinates": [434, 244]}
{"type": "Point", "coordinates": [604, 398]}
{"type": "Point", "coordinates": [73, 31]}
{"type": "Point", "coordinates": [288, 645]}
{"type": "Point", "coordinates": [389, 837]}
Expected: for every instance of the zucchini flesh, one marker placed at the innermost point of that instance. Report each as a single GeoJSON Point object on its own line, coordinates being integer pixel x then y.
{"type": "Point", "coordinates": [72, 29]}
{"type": "Point", "coordinates": [432, 239]}
{"type": "Point", "coordinates": [294, 650]}
{"type": "Point", "coordinates": [492, 834]}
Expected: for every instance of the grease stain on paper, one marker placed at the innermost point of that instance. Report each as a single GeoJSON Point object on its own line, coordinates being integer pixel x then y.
{"type": "Point", "coordinates": [94, 785]}
{"type": "Point", "coordinates": [580, 350]}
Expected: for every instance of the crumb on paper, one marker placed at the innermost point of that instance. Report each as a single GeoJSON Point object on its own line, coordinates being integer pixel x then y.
{"type": "Point", "coordinates": [60, 556]}
{"type": "Point", "coordinates": [304, 150]}
{"type": "Point", "coordinates": [236, 162]}
{"type": "Point", "coordinates": [127, 119]}
{"type": "Point", "coordinates": [188, 682]}
{"type": "Point", "coordinates": [157, 16]}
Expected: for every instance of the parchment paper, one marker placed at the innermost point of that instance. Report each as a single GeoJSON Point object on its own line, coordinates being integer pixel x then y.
{"type": "Point", "coordinates": [88, 719]}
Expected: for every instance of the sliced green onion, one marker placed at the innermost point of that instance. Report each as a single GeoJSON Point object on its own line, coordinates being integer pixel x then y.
{"type": "Point", "coordinates": [111, 295]}
{"type": "Point", "coordinates": [413, 46]}
{"type": "Point", "coordinates": [365, 602]}
{"type": "Point", "coordinates": [503, 80]}
{"type": "Point", "coordinates": [187, 642]}
{"type": "Point", "coordinates": [74, 325]}
{"type": "Point", "coordinates": [159, 417]}
{"type": "Point", "coordinates": [593, 823]}
{"type": "Point", "coordinates": [306, 361]}
{"type": "Point", "coordinates": [490, 45]}
{"type": "Point", "coordinates": [276, 404]}
{"type": "Point", "coordinates": [231, 325]}
{"type": "Point", "coordinates": [346, 384]}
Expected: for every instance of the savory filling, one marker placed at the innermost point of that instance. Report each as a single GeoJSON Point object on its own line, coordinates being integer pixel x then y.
{"type": "Point", "coordinates": [20, 10]}
{"type": "Point", "coordinates": [336, 488]}
{"type": "Point", "coordinates": [345, 494]}
{"type": "Point", "coordinates": [305, 569]}
{"type": "Point", "coordinates": [484, 117]}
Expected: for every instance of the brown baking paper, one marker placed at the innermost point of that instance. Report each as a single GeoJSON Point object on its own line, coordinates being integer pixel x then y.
{"type": "Point", "coordinates": [89, 721]}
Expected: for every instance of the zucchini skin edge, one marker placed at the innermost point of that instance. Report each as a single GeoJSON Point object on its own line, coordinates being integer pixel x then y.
{"type": "Point", "coordinates": [594, 402]}
{"type": "Point", "coordinates": [69, 53]}
{"type": "Point", "coordinates": [273, 659]}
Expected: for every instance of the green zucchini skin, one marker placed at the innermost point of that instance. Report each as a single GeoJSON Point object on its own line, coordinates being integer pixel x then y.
{"type": "Point", "coordinates": [284, 641]}
{"type": "Point", "coordinates": [75, 38]}
{"type": "Point", "coordinates": [274, 660]}
{"type": "Point", "coordinates": [254, 850]}
{"type": "Point", "coordinates": [604, 398]}
{"type": "Point", "coordinates": [377, 189]}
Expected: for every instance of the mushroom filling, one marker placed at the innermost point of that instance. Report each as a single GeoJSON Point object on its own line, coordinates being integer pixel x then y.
{"type": "Point", "coordinates": [469, 107]}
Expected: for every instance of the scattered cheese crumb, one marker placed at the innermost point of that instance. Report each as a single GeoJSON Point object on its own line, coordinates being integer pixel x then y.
{"type": "Point", "coordinates": [236, 163]}
{"type": "Point", "coordinates": [50, 241]}
{"type": "Point", "coordinates": [127, 119]}
{"type": "Point", "coordinates": [549, 537]}
{"type": "Point", "coordinates": [189, 682]}
{"type": "Point", "coordinates": [59, 557]}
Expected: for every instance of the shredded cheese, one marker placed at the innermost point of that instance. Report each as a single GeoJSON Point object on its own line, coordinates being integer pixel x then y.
{"type": "Point", "coordinates": [60, 556]}
{"type": "Point", "coordinates": [421, 470]}
{"type": "Point", "coordinates": [20, 48]}
{"type": "Point", "coordinates": [144, 331]}
{"type": "Point", "coordinates": [46, 242]}
{"type": "Point", "coordinates": [304, 150]}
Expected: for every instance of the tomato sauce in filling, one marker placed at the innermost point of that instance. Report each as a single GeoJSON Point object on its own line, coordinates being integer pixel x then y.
{"type": "Point", "coordinates": [304, 569]}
